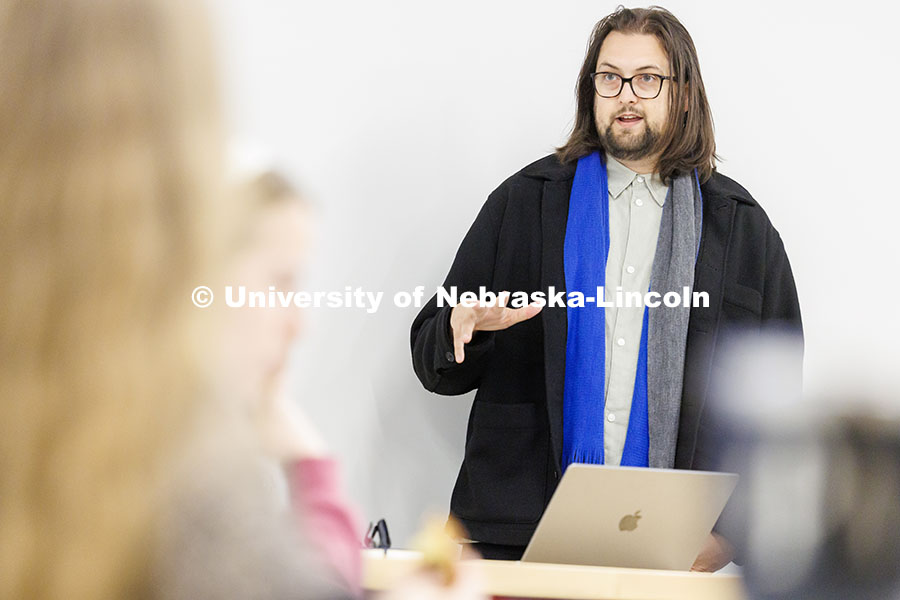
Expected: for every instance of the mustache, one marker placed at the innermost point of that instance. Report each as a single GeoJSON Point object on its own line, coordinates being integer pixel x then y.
{"type": "Point", "coordinates": [625, 112]}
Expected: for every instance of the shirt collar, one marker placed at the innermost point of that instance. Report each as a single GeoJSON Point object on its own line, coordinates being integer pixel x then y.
{"type": "Point", "coordinates": [619, 177]}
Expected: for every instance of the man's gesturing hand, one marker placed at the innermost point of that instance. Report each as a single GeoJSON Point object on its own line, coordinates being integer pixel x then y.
{"type": "Point", "coordinates": [466, 320]}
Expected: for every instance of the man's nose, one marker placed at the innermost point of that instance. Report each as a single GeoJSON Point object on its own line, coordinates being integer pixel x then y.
{"type": "Point", "coordinates": [627, 96]}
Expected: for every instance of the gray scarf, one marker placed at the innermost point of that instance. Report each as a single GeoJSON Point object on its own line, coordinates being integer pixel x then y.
{"type": "Point", "coordinates": [673, 270]}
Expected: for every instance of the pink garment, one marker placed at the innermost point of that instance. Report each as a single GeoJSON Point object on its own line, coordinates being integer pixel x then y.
{"type": "Point", "coordinates": [328, 520]}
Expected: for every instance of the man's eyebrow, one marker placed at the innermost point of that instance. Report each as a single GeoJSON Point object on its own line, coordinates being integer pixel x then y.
{"type": "Point", "coordinates": [644, 68]}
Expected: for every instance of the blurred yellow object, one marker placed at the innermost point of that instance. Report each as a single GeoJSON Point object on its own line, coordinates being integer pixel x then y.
{"type": "Point", "coordinates": [440, 551]}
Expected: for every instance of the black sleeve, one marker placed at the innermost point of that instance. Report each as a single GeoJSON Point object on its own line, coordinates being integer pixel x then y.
{"type": "Point", "coordinates": [431, 338]}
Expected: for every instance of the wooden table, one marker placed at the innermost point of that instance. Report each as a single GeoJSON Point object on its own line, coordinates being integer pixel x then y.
{"type": "Point", "coordinates": [538, 580]}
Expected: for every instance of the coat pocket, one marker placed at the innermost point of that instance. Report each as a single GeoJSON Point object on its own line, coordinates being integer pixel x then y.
{"type": "Point", "coordinates": [503, 477]}
{"type": "Point", "coordinates": [741, 307]}
{"type": "Point", "coordinates": [742, 296]}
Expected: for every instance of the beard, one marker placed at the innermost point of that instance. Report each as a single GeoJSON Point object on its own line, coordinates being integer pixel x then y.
{"type": "Point", "coordinates": [628, 145]}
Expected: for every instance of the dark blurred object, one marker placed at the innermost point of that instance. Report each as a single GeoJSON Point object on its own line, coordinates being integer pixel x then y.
{"type": "Point", "coordinates": [860, 554]}
{"type": "Point", "coordinates": [817, 512]}
{"type": "Point", "coordinates": [834, 530]}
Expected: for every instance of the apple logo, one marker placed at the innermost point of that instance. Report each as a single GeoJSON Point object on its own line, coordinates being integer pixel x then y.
{"type": "Point", "coordinates": [629, 522]}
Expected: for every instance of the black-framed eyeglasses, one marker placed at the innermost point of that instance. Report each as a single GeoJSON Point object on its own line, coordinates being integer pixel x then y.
{"type": "Point", "coordinates": [644, 85]}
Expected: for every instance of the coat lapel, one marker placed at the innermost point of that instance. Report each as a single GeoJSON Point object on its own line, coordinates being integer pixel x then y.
{"type": "Point", "coordinates": [554, 213]}
{"type": "Point", "coordinates": [709, 276]}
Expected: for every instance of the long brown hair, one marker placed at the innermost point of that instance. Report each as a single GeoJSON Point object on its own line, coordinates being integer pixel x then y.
{"type": "Point", "coordinates": [687, 141]}
{"type": "Point", "coordinates": [109, 196]}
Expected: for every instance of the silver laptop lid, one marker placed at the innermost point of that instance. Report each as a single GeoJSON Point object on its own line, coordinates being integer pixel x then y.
{"type": "Point", "coordinates": [629, 517]}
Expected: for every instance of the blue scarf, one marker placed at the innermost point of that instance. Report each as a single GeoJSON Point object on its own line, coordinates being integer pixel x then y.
{"type": "Point", "coordinates": [584, 256]}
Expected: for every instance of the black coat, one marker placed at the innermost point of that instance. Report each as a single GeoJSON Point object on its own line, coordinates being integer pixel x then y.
{"type": "Point", "coordinates": [514, 438]}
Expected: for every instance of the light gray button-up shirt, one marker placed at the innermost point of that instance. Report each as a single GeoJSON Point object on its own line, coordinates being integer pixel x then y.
{"type": "Point", "coordinates": [635, 210]}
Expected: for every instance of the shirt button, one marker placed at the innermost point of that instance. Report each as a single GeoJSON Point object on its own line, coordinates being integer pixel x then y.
{"type": "Point", "coordinates": [450, 357]}
{"type": "Point", "coordinates": [630, 269]}
{"type": "Point", "coordinates": [611, 418]}
{"type": "Point", "coordinates": [639, 202]}
{"type": "Point", "coordinates": [640, 179]}
{"type": "Point", "coordinates": [620, 341]}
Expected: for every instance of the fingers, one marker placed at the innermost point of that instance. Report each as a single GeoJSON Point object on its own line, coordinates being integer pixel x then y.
{"type": "Point", "coordinates": [459, 344]}
{"type": "Point", "coordinates": [503, 318]}
{"type": "Point", "coordinates": [465, 321]}
{"type": "Point", "coordinates": [517, 315]}
{"type": "Point", "coordinates": [502, 299]}
{"type": "Point", "coordinates": [526, 312]}
{"type": "Point", "coordinates": [462, 335]}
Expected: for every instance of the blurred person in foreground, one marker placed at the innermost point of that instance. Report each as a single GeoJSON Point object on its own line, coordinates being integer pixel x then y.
{"type": "Point", "coordinates": [817, 509]}
{"type": "Point", "coordinates": [121, 474]}
{"type": "Point", "coordinates": [271, 252]}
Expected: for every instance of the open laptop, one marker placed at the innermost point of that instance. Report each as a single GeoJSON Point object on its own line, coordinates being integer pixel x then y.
{"type": "Point", "coordinates": [629, 517]}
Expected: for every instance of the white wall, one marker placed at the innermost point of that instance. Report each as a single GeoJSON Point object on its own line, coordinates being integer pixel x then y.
{"type": "Point", "coordinates": [400, 117]}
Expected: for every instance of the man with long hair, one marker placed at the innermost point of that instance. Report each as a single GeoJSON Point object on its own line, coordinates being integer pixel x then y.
{"type": "Point", "coordinates": [632, 204]}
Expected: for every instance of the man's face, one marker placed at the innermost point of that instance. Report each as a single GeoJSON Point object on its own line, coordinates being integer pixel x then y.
{"type": "Point", "coordinates": [626, 137]}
